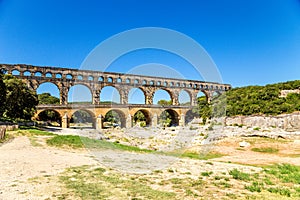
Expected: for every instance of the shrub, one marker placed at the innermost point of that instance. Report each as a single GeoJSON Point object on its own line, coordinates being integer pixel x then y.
{"type": "Point", "coordinates": [236, 174]}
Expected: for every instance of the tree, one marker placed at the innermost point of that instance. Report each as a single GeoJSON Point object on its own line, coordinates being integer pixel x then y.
{"type": "Point", "coordinates": [139, 116]}
{"type": "Point", "coordinates": [204, 109]}
{"type": "Point", "coordinates": [2, 93]}
{"type": "Point", "coordinates": [81, 116]}
{"type": "Point", "coordinates": [20, 101]}
{"type": "Point", "coordinates": [164, 102]}
{"type": "Point", "coordinates": [46, 98]}
{"type": "Point", "coordinates": [112, 117]}
{"type": "Point", "coordinates": [165, 119]}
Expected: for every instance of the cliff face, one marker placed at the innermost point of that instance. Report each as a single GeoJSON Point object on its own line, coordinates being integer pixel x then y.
{"type": "Point", "coordinates": [287, 122]}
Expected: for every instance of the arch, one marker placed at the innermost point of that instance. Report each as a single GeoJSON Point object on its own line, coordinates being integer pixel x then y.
{"type": "Point", "coordinates": [169, 118]}
{"type": "Point", "coordinates": [80, 93]}
{"type": "Point", "coordinates": [119, 80]}
{"type": "Point", "coordinates": [202, 95]}
{"type": "Point", "coordinates": [162, 97]}
{"type": "Point", "coordinates": [136, 96]}
{"type": "Point", "coordinates": [48, 75]}
{"type": "Point", "coordinates": [48, 87]}
{"type": "Point", "coordinates": [27, 73]}
{"type": "Point", "coordinates": [215, 95]}
{"type": "Point", "coordinates": [128, 80]}
{"type": "Point", "coordinates": [158, 83]}
{"type": "Point", "coordinates": [142, 118]}
{"type": "Point", "coordinates": [50, 117]}
{"type": "Point", "coordinates": [15, 72]}
{"type": "Point", "coordinates": [110, 95]}
{"type": "Point", "coordinates": [165, 83]}
{"type": "Point", "coordinates": [90, 78]}
{"type": "Point", "coordinates": [190, 115]}
{"type": "Point", "coordinates": [184, 98]}
{"type": "Point", "coordinates": [79, 77]}
{"type": "Point", "coordinates": [114, 118]}
{"type": "Point", "coordinates": [58, 75]}
{"type": "Point", "coordinates": [69, 76]}
{"type": "Point", "coordinates": [109, 79]}
{"type": "Point", "coordinates": [144, 82]}
{"type": "Point", "coordinates": [178, 84]}
{"type": "Point", "coordinates": [151, 83]}
{"type": "Point", "coordinates": [38, 74]}
{"type": "Point", "coordinates": [101, 78]}
{"type": "Point", "coordinates": [82, 118]}
{"type": "Point", "coordinates": [136, 81]}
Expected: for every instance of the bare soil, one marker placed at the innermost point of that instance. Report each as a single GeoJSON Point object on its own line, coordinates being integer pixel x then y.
{"type": "Point", "coordinates": [31, 172]}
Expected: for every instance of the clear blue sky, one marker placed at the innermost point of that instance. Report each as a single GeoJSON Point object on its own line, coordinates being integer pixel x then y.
{"type": "Point", "coordinates": [252, 42]}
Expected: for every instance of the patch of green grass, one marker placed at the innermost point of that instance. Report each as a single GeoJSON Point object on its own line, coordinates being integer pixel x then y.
{"type": "Point", "coordinates": [236, 174]}
{"type": "Point", "coordinates": [6, 138]}
{"type": "Point", "coordinates": [65, 141]}
{"type": "Point", "coordinates": [286, 173]}
{"type": "Point", "coordinates": [30, 131]}
{"type": "Point", "coordinates": [255, 187]}
{"type": "Point", "coordinates": [265, 150]}
{"type": "Point", "coordinates": [199, 156]}
{"type": "Point", "coordinates": [206, 173]}
{"type": "Point", "coordinates": [281, 191]}
{"type": "Point", "coordinates": [33, 141]}
{"type": "Point", "coordinates": [268, 181]}
{"type": "Point", "coordinates": [74, 141]}
{"type": "Point", "coordinates": [95, 184]}
{"type": "Point", "coordinates": [222, 184]}
{"type": "Point", "coordinates": [256, 128]}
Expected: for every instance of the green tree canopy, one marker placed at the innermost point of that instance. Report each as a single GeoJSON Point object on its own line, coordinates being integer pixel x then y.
{"type": "Point", "coordinates": [46, 98]}
{"type": "Point", "coordinates": [164, 102]}
{"type": "Point", "coordinates": [20, 101]}
{"type": "Point", "coordinates": [2, 92]}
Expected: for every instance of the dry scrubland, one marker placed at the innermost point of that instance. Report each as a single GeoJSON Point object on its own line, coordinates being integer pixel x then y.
{"type": "Point", "coordinates": [41, 165]}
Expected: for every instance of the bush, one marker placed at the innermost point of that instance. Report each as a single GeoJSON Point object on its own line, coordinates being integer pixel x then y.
{"type": "Point", "coordinates": [236, 174]}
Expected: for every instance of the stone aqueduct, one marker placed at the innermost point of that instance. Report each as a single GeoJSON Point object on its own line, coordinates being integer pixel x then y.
{"type": "Point", "coordinates": [65, 78]}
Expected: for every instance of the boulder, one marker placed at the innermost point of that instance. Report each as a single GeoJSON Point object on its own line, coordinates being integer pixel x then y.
{"type": "Point", "coordinates": [244, 144]}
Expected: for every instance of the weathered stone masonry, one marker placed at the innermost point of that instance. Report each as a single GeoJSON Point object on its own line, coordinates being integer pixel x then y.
{"type": "Point", "coordinates": [65, 78]}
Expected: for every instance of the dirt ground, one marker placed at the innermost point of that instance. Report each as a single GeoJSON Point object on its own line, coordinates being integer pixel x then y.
{"type": "Point", "coordinates": [288, 151]}
{"type": "Point", "coordinates": [30, 172]}
{"type": "Point", "coordinates": [21, 162]}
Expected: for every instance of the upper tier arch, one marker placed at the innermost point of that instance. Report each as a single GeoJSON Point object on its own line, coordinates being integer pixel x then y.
{"type": "Point", "coordinates": [64, 78]}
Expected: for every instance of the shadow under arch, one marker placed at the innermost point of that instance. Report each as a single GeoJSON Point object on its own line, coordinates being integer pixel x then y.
{"type": "Point", "coordinates": [114, 118]}
{"type": "Point", "coordinates": [82, 118]}
{"type": "Point", "coordinates": [169, 117]}
{"type": "Point", "coordinates": [50, 117]}
{"type": "Point", "coordinates": [142, 115]}
{"type": "Point", "coordinates": [191, 115]}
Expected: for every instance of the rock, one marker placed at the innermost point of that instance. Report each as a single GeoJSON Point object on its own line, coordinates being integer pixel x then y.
{"type": "Point", "coordinates": [287, 122]}
{"type": "Point", "coordinates": [244, 144]}
{"type": "Point", "coordinates": [2, 132]}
